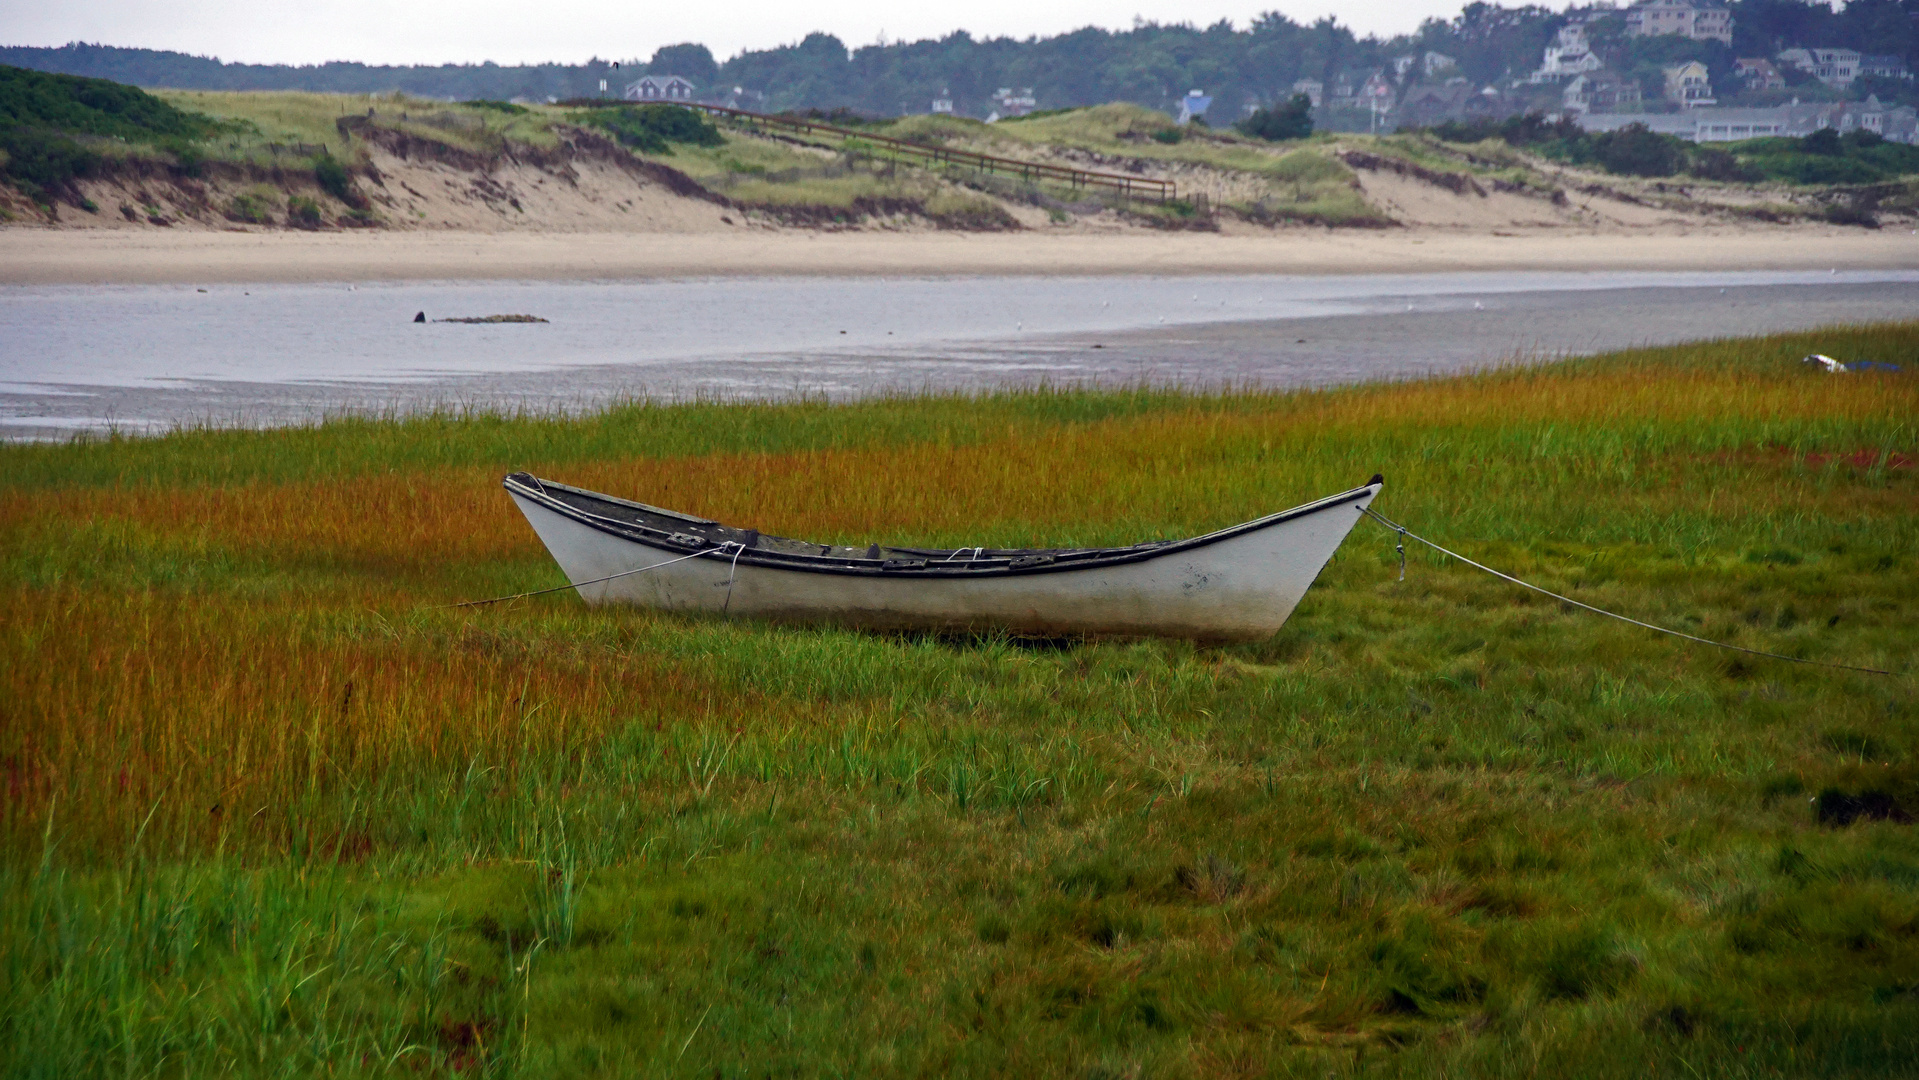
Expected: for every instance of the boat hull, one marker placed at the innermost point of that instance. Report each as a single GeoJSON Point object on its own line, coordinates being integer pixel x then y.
{"type": "Point", "coordinates": [1240, 586]}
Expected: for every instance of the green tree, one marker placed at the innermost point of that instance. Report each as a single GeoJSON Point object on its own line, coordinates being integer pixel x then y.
{"type": "Point", "coordinates": [1636, 150]}
{"type": "Point", "coordinates": [1292, 120]}
{"type": "Point", "coordinates": [689, 61]}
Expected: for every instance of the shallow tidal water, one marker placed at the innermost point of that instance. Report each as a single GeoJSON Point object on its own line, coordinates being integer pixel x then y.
{"type": "Point", "coordinates": [145, 359]}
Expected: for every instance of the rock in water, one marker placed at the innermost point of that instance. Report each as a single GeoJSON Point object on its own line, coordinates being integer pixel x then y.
{"type": "Point", "coordinates": [419, 316]}
{"type": "Point", "coordinates": [496, 319]}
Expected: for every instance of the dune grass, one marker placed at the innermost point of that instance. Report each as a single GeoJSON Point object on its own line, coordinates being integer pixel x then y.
{"type": "Point", "coordinates": [1298, 181]}
{"type": "Point", "coordinates": [830, 178]}
{"type": "Point", "coordinates": [755, 172]}
{"type": "Point", "coordinates": [289, 117]}
{"type": "Point", "coordinates": [272, 808]}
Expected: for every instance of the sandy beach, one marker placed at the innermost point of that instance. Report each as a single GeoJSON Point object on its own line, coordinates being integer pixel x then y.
{"type": "Point", "coordinates": [38, 256]}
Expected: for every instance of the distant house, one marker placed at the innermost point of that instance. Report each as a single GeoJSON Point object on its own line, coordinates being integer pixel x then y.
{"type": "Point", "coordinates": [1834, 67]}
{"type": "Point", "coordinates": [659, 88]}
{"type": "Point", "coordinates": [1732, 125]}
{"type": "Point", "coordinates": [1601, 92]}
{"type": "Point", "coordinates": [1377, 92]}
{"type": "Point", "coordinates": [1430, 104]}
{"type": "Point", "coordinates": [1902, 125]}
{"type": "Point", "coordinates": [1428, 64]}
{"type": "Point", "coordinates": [1684, 125]}
{"type": "Point", "coordinates": [1687, 85]}
{"type": "Point", "coordinates": [1883, 67]}
{"type": "Point", "coordinates": [1007, 103]}
{"type": "Point", "coordinates": [1896, 123]}
{"type": "Point", "coordinates": [1567, 56]}
{"type": "Point", "coordinates": [1686, 18]}
{"type": "Point", "coordinates": [1758, 74]}
{"type": "Point", "coordinates": [943, 104]}
{"type": "Point", "coordinates": [1193, 107]}
{"type": "Point", "coordinates": [739, 97]}
{"type": "Point", "coordinates": [1314, 90]}
{"type": "Point", "coordinates": [1710, 124]}
{"type": "Point", "coordinates": [1426, 104]}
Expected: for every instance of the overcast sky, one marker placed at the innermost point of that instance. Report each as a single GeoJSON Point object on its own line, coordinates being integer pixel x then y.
{"type": "Point", "coordinates": [568, 31]}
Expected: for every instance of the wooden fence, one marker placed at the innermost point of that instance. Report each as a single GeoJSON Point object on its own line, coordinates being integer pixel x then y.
{"type": "Point", "coordinates": [887, 147]}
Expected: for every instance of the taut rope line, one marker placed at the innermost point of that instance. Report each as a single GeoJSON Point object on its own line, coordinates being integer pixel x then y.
{"type": "Point", "coordinates": [1404, 534]}
{"type": "Point", "coordinates": [624, 573]}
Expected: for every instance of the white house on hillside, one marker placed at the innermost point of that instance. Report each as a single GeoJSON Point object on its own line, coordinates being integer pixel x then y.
{"type": "Point", "coordinates": [1687, 85]}
{"type": "Point", "coordinates": [1834, 67]}
{"type": "Point", "coordinates": [1895, 123]}
{"type": "Point", "coordinates": [1692, 19]}
{"type": "Point", "coordinates": [1758, 73]}
{"type": "Point", "coordinates": [1008, 103]}
{"type": "Point", "coordinates": [1428, 65]}
{"type": "Point", "coordinates": [1884, 67]}
{"type": "Point", "coordinates": [659, 88]}
{"type": "Point", "coordinates": [1568, 55]}
{"type": "Point", "coordinates": [1600, 91]}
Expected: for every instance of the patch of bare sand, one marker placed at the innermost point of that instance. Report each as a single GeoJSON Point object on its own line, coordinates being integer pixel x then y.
{"type": "Point", "coordinates": [1412, 201]}
{"type": "Point", "coordinates": [59, 256]}
{"type": "Point", "coordinates": [586, 196]}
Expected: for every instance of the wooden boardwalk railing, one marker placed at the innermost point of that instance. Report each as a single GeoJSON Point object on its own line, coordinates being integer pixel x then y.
{"type": "Point", "coordinates": [885, 146]}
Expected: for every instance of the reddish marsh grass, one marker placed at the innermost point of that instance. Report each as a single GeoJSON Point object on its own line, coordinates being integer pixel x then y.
{"type": "Point", "coordinates": [200, 639]}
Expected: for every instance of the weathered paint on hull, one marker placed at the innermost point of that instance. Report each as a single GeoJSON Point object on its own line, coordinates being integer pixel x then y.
{"type": "Point", "coordinates": [1239, 588]}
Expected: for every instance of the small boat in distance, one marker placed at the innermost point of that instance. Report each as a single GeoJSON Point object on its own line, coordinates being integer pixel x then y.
{"type": "Point", "coordinates": [1236, 584]}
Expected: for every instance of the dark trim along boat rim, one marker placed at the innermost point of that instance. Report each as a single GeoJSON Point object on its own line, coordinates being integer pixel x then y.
{"type": "Point", "coordinates": [674, 533]}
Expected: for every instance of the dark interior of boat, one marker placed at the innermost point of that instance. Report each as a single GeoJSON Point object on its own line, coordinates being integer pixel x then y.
{"type": "Point", "coordinates": [685, 532]}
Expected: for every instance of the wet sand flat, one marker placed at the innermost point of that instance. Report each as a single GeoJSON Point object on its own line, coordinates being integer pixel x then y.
{"type": "Point", "coordinates": [144, 360]}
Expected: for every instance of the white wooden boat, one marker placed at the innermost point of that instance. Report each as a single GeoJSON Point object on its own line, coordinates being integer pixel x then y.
{"type": "Point", "coordinates": [1239, 583]}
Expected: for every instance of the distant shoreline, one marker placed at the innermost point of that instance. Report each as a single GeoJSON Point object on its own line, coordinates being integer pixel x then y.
{"type": "Point", "coordinates": [43, 256]}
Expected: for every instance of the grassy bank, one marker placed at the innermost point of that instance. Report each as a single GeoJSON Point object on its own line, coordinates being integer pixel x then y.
{"type": "Point", "coordinates": [273, 808]}
{"type": "Point", "coordinates": [290, 140]}
{"type": "Point", "coordinates": [307, 161]}
{"type": "Point", "coordinates": [1298, 181]}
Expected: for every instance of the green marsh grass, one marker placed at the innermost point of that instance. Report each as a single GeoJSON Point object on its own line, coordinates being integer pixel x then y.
{"type": "Point", "coordinates": [273, 808]}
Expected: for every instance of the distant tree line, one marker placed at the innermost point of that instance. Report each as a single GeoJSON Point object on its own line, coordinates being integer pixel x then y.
{"type": "Point", "coordinates": [459, 82]}
{"type": "Point", "coordinates": [1151, 64]}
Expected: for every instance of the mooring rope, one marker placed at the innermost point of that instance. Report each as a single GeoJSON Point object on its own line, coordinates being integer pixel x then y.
{"type": "Point", "coordinates": [1405, 535]}
{"type": "Point", "coordinates": [624, 573]}
{"type": "Point", "coordinates": [728, 606]}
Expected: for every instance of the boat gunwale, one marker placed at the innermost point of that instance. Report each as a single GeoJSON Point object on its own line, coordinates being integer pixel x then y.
{"type": "Point", "coordinates": [1057, 560]}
